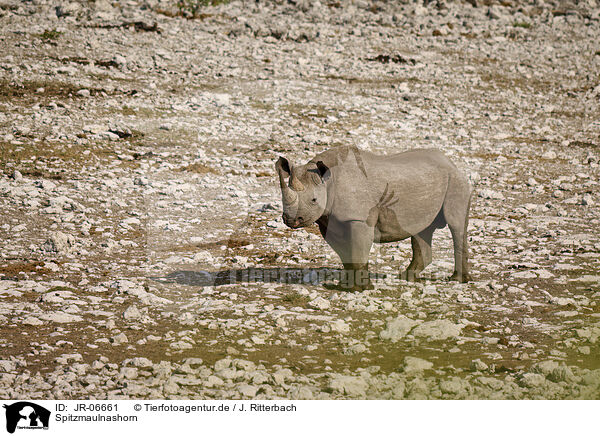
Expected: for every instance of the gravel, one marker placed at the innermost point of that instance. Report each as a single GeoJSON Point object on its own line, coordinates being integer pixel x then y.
{"type": "Point", "coordinates": [141, 242]}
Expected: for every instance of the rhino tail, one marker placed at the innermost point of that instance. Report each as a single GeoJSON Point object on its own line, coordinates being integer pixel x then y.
{"type": "Point", "coordinates": [469, 203]}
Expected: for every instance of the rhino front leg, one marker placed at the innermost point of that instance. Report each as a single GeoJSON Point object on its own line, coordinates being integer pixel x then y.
{"type": "Point", "coordinates": [355, 256]}
{"type": "Point", "coordinates": [421, 246]}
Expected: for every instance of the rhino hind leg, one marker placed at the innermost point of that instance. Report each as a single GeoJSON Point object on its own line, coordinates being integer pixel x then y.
{"type": "Point", "coordinates": [421, 247]}
{"type": "Point", "coordinates": [461, 268]}
{"type": "Point", "coordinates": [456, 212]}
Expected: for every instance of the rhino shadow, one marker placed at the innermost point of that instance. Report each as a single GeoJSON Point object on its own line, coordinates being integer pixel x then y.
{"type": "Point", "coordinates": [296, 276]}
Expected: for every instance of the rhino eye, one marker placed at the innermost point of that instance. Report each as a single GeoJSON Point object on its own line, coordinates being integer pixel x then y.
{"type": "Point", "coordinates": [314, 200]}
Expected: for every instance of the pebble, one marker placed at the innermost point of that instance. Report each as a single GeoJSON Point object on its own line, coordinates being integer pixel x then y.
{"type": "Point", "coordinates": [141, 362]}
{"type": "Point", "coordinates": [452, 386]}
{"type": "Point", "coordinates": [213, 381]}
{"type": "Point", "coordinates": [398, 328]}
{"type": "Point", "coordinates": [531, 380]}
{"type": "Point", "coordinates": [132, 313]}
{"type": "Point", "coordinates": [340, 326]}
{"type": "Point", "coordinates": [415, 365]}
{"type": "Point", "coordinates": [128, 373]}
{"type": "Point", "coordinates": [119, 339]}
{"type": "Point", "coordinates": [17, 176]}
{"type": "Point", "coordinates": [7, 366]}
{"type": "Point", "coordinates": [438, 330]}
{"type": "Point", "coordinates": [60, 317]}
{"type": "Point", "coordinates": [319, 303]}
{"type": "Point", "coordinates": [222, 364]}
{"type": "Point", "coordinates": [349, 385]}
{"type": "Point", "coordinates": [59, 242]}
{"type": "Point", "coordinates": [478, 365]}
{"type": "Point", "coordinates": [247, 390]}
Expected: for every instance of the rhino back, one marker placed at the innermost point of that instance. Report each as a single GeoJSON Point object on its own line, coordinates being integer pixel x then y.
{"type": "Point", "coordinates": [406, 190]}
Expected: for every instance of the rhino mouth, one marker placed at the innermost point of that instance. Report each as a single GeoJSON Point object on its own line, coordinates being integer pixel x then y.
{"type": "Point", "coordinates": [293, 223]}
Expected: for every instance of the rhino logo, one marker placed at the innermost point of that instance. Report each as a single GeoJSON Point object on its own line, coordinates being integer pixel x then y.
{"type": "Point", "coordinates": [26, 415]}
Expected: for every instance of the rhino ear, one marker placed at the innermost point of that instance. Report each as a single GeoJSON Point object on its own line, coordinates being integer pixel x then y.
{"type": "Point", "coordinates": [283, 164]}
{"type": "Point", "coordinates": [323, 171]}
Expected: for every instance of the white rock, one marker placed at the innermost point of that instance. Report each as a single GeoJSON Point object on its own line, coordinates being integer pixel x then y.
{"type": "Point", "coordinates": [282, 375]}
{"type": "Point", "coordinates": [141, 362]}
{"type": "Point", "coordinates": [7, 366]}
{"type": "Point", "coordinates": [141, 181]}
{"type": "Point", "coordinates": [452, 386]}
{"type": "Point", "coordinates": [490, 194]}
{"type": "Point", "coordinates": [531, 380]}
{"type": "Point", "coordinates": [349, 385]}
{"type": "Point", "coordinates": [119, 339]}
{"type": "Point", "coordinates": [397, 328]}
{"type": "Point", "coordinates": [340, 326]}
{"type": "Point", "coordinates": [561, 374]}
{"type": "Point", "coordinates": [60, 317]}
{"type": "Point", "coordinates": [213, 381]}
{"type": "Point", "coordinates": [131, 221]}
{"type": "Point", "coordinates": [32, 320]}
{"type": "Point", "coordinates": [301, 393]}
{"type": "Point", "coordinates": [17, 176]}
{"type": "Point", "coordinates": [275, 224]}
{"type": "Point", "coordinates": [355, 349]}
{"type": "Point", "coordinates": [132, 313]}
{"type": "Point", "coordinates": [181, 345]}
{"type": "Point", "coordinates": [64, 359]}
{"type": "Point", "coordinates": [120, 60]}
{"type": "Point", "coordinates": [587, 200]}
{"type": "Point", "coordinates": [248, 390]}
{"type": "Point", "coordinates": [245, 365]}
{"type": "Point", "coordinates": [128, 373]}
{"type": "Point", "coordinates": [59, 242]}
{"type": "Point", "coordinates": [222, 364]}
{"type": "Point", "coordinates": [478, 365]}
{"type": "Point", "coordinates": [320, 303]}
{"type": "Point", "coordinates": [95, 128]}
{"type": "Point", "coordinates": [438, 330]}
{"type": "Point", "coordinates": [221, 100]}
{"type": "Point", "coordinates": [545, 367]}
{"type": "Point", "coordinates": [584, 350]}
{"type": "Point", "coordinates": [415, 365]}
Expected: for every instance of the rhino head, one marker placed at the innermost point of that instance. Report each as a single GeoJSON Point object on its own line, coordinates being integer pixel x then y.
{"type": "Point", "coordinates": [303, 191]}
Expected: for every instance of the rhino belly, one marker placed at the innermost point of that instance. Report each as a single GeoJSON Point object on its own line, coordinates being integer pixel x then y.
{"type": "Point", "coordinates": [417, 207]}
{"type": "Point", "coordinates": [389, 229]}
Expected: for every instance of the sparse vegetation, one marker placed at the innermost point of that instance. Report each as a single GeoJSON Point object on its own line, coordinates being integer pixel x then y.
{"type": "Point", "coordinates": [50, 35]}
{"type": "Point", "coordinates": [33, 155]}
{"type": "Point", "coordinates": [199, 168]}
{"type": "Point", "coordinates": [191, 8]}
{"type": "Point", "coordinates": [522, 24]}
{"type": "Point", "coordinates": [296, 299]}
{"type": "Point", "coordinates": [15, 269]}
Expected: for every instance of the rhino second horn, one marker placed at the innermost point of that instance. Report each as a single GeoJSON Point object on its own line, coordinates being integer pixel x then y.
{"type": "Point", "coordinates": [289, 196]}
{"type": "Point", "coordinates": [296, 184]}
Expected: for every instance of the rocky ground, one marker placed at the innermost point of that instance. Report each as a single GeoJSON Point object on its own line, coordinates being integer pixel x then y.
{"type": "Point", "coordinates": [142, 249]}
